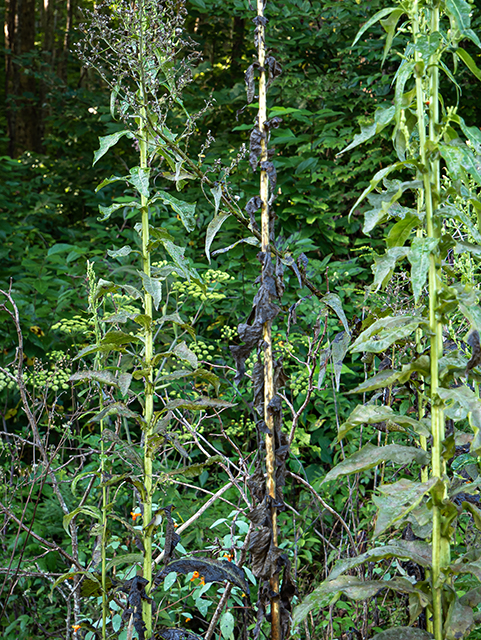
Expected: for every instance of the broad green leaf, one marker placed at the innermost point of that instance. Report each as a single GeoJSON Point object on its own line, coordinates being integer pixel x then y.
{"type": "Point", "coordinates": [461, 402]}
{"type": "Point", "coordinates": [198, 404]}
{"type": "Point", "coordinates": [395, 501]}
{"type": "Point", "coordinates": [403, 633]}
{"type": "Point", "coordinates": [116, 409]}
{"type": "Point", "coordinates": [467, 247]}
{"type": "Point", "coordinates": [183, 352]}
{"type": "Point", "coordinates": [384, 265]}
{"type": "Point", "coordinates": [459, 14]}
{"type": "Point", "coordinates": [106, 142]}
{"type": "Point", "coordinates": [194, 470]}
{"type": "Point", "coordinates": [122, 252]}
{"type": "Point", "coordinates": [186, 210]}
{"type": "Point", "coordinates": [459, 621]}
{"type": "Point", "coordinates": [127, 558]}
{"type": "Point", "coordinates": [92, 512]}
{"type": "Point", "coordinates": [370, 456]}
{"type": "Point", "coordinates": [388, 377]}
{"type": "Point", "coordinates": [227, 623]}
{"type": "Point", "coordinates": [453, 212]}
{"type": "Point", "coordinates": [153, 287]}
{"type": "Point", "coordinates": [81, 476]}
{"type": "Point", "coordinates": [117, 338]}
{"type": "Point", "coordinates": [469, 62]}
{"type": "Point", "coordinates": [334, 301]}
{"type": "Point", "coordinates": [108, 211]}
{"type": "Point", "coordinates": [139, 178]}
{"type": "Point", "coordinates": [355, 589]}
{"type": "Point", "coordinates": [59, 248]}
{"type": "Point", "coordinates": [403, 74]}
{"type": "Point", "coordinates": [384, 332]}
{"type": "Point", "coordinates": [124, 380]}
{"type": "Point", "coordinates": [217, 193]}
{"type": "Point", "coordinates": [214, 226]}
{"type": "Point", "coordinates": [104, 377]}
{"type": "Point", "coordinates": [110, 180]}
{"type": "Point", "coordinates": [419, 256]}
{"type": "Point", "coordinates": [377, 16]}
{"type": "Point", "coordinates": [386, 203]}
{"type": "Point", "coordinates": [459, 160]}
{"type": "Point", "coordinates": [373, 414]}
{"type": "Point", "coordinates": [169, 580]}
{"type": "Point", "coordinates": [382, 117]}
{"type": "Point", "coordinates": [417, 551]}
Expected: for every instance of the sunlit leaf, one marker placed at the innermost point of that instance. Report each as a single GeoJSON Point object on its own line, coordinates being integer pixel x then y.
{"type": "Point", "coordinates": [214, 226]}
{"type": "Point", "coordinates": [384, 332]}
{"type": "Point", "coordinates": [419, 256]}
{"type": "Point", "coordinates": [106, 142]}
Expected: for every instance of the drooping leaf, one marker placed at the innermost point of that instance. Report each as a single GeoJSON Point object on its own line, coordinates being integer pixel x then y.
{"type": "Point", "coordinates": [414, 550]}
{"type": "Point", "coordinates": [375, 180]}
{"type": "Point", "coordinates": [334, 301]}
{"type": "Point", "coordinates": [182, 351]}
{"type": "Point", "coordinates": [384, 265]}
{"type": "Point", "coordinates": [127, 558]}
{"type": "Point", "coordinates": [459, 621]}
{"type": "Point", "coordinates": [198, 404]}
{"type": "Point", "coordinates": [92, 512]}
{"type": "Point", "coordinates": [384, 332]}
{"type": "Point", "coordinates": [108, 211]}
{"type": "Point", "coordinates": [250, 240]}
{"type": "Point", "coordinates": [398, 499]}
{"type": "Point", "coordinates": [389, 25]}
{"type": "Point", "coordinates": [339, 348]}
{"type": "Point", "coordinates": [355, 589]}
{"type": "Point", "coordinates": [382, 117]}
{"type": "Point", "coordinates": [227, 623]}
{"type": "Point", "coordinates": [459, 12]}
{"type": "Point", "coordinates": [370, 456]}
{"type": "Point", "coordinates": [419, 256]}
{"type": "Point", "coordinates": [372, 414]}
{"type": "Point", "coordinates": [153, 286]}
{"type": "Point", "coordinates": [122, 252]}
{"type": "Point", "coordinates": [194, 470]}
{"type": "Point", "coordinates": [212, 230]}
{"type": "Point", "coordinates": [469, 62]}
{"type": "Point", "coordinates": [104, 377]}
{"type": "Point", "coordinates": [116, 409]}
{"type": "Point", "coordinates": [185, 210]}
{"type": "Point", "coordinates": [377, 16]}
{"type": "Point", "coordinates": [211, 570]}
{"type": "Point", "coordinates": [106, 142]}
{"type": "Point", "coordinates": [403, 633]}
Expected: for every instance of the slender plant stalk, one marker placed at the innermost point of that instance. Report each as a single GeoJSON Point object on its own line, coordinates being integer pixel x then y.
{"type": "Point", "coordinates": [267, 333]}
{"type": "Point", "coordinates": [440, 544]}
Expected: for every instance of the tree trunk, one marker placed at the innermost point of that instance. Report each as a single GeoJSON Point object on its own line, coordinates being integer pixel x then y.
{"type": "Point", "coordinates": [22, 107]}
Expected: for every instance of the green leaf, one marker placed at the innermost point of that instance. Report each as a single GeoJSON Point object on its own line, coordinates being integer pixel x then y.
{"type": "Point", "coordinates": [377, 16]}
{"type": "Point", "coordinates": [384, 332]}
{"type": "Point", "coordinates": [68, 576]}
{"type": "Point", "coordinates": [469, 62]}
{"type": "Point", "coordinates": [106, 142]}
{"type": "Point", "coordinates": [384, 265]}
{"type": "Point", "coordinates": [403, 633]}
{"type": "Point", "coordinates": [212, 230]}
{"type": "Point", "coordinates": [382, 117]}
{"type": "Point", "coordinates": [250, 240]}
{"type": "Point", "coordinates": [217, 193]}
{"type": "Point", "coordinates": [110, 180]}
{"type": "Point", "coordinates": [88, 510]}
{"type": "Point", "coordinates": [414, 550]}
{"type": "Point", "coordinates": [153, 287]}
{"type": "Point", "coordinates": [389, 25]}
{"type": "Point", "coordinates": [108, 211]}
{"type": "Point", "coordinates": [355, 589]}
{"type": "Point", "coordinates": [194, 470]}
{"type": "Point", "coordinates": [459, 160]}
{"type": "Point", "coordinates": [186, 210]}
{"type": "Point", "coordinates": [139, 178]}
{"type": "Point", "coordinates": [459, 15]}
{"type": "Point", "coordinates": [334, 301]}
{"type": "Point", "coordinates": [104, 377]}
{"type": "Point", "coordinates": [370, 456]}
{"type": "Point", "coordinates": [116, 409]}
{"type": "Point", "coordinates": [122, 252]}
{"type": "Point", "coordinates": [374, 414]}
{"type": "Point", "coordinates": [198, 404]}
{"type": "Point", "coordinates": [169, 580]}
{"type": "Point", "coordinates": [459, 621]}
{"type": "Point", "coordinates": [127, 558]}
{"type": "Point", "coordinates": [403, 74]}
{"type": "Point", "coordinates": [227, 623]}
{"type": "Point", "coordinates": [182, 351]}
{"type": "Point", "coordinates": [375, 180]}
{"type": "Point", "coordinates": [419, 256]}
{"type": "Point", "coordinates": [76, 479]}
{"type": "Point", "coordinates": [339, 348]}
{"type": "Point", "coordinates": [388, 377]}
{"type": "Point", "coordinates": [397, 500]}
{"type": "Point", "coordinates": [117, 338]}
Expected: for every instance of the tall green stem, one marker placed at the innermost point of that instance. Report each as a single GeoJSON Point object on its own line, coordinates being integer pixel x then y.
{"type": "Point", "coordinates": [440, 544]}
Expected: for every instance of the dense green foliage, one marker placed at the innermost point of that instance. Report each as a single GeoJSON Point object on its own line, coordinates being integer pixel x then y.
{"type": "Point", "coordinates": [49, 228]}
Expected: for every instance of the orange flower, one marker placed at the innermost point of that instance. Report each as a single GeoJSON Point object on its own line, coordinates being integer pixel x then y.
{"type": "Point", "coordinates": [195, 575]}
{"type": "Point", "coordinates": [202, 581]}
{"type": "Point", "coordinates": [188, 619]}
{"type": "Point", "coordinates": [76, 627]}
{"type": "Point", "coordinates": [229, 556]}
{"type": "Point", "coordinates": [135, 515]}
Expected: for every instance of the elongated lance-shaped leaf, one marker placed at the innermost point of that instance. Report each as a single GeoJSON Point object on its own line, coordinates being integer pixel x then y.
{"type": "Point", "coordinates": [414, 550]}
{"type": "Point", "coordinates": [469, 62]}
{"type": "Point", "coordinates": [382, 117]}
{"type": "Point", "coordinates": [384, 265]}
{"type": "Point", "coordinates": [185, 210]}
{"type": "Point", "coordinates": [419, 256]}
{"type": "Point", "coordinates": [389, 25]}
{"type": "Point", "coordinates": [108, 211]}
{"type": "Point", "coordinates": [339, 348]}
{"type": "Point", "coordinates": [334, 301]}
{"type": "Point", "coordinates": [459, 12]}
{"type": "Point", "coordinates": [376, 179]}
{"type": "Point", "coordinates": [92, 512]}
{"type": "Point", "coordinates": [152, 286]}
{"type": "Point", "coordinates": [375, 18]}
{"type": "Point", "coordinates": [385, 332]}
{"type": "Point", "coordinates": [370, 456]}
{"type": "Point", "coordinates": [212, 230]}
{"type": "Point", "coordinates": [104, 377]}
{"type": "Point", "coordinates": [373, 414]}
{"type": "Point", "coordinates": [355, 589]}
{"type": "Point", "coordinates": [139, 178]}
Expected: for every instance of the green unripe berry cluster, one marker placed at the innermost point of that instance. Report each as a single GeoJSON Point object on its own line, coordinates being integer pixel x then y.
{"type": "Point", "coordinates": [203, 351]}
{"type": "Point", "coordinates": [228, 333]}
{"type": "Point", "coordinates": [6, 382]}
{"type": "Point", "coordinates": [209, 292]}
{"type": "Point", "coordinates": [299, 383]}
{"type": "Point", "coordinates": [241, 427]}
{"type": "Point", "coordinates": [77, 324]}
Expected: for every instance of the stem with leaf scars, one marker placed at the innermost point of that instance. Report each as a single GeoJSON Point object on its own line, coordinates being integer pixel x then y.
{"type": "Point", "coordinates": [267, 331]}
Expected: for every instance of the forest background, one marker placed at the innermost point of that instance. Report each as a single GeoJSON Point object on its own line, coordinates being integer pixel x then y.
{"type": "Point", "coordinates": [54, 112]}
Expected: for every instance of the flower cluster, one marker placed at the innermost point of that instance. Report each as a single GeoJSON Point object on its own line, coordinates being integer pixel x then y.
{"type": "Point", "coordinates": [203, 351]}
{"type": "Point", "coordinates": [77, 324]}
